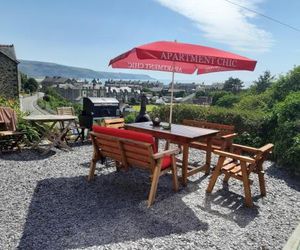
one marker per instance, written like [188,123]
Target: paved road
[28,104]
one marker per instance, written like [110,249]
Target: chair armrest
[246,148]
[93,133]
[229,136]
[267,148]
[235,156]
[166,152]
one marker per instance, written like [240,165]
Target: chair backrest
[258,154]
[8,119]
[223,129]
[65,111]
[129,152]
[126,134]
[114,123]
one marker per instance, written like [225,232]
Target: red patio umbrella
[183,58]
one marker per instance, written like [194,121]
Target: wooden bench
[133,149]
[114,123]
[221,141]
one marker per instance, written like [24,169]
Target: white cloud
[224,22]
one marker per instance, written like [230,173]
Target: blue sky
[89,33]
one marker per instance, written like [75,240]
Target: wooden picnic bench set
[137,146]
[56,129]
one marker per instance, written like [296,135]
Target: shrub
[180,112]
[200,93]
[53,100]
[216,95]
[228,100]
[254,102]
[286,84]
[247,124]
[31,134]
[286,115]
[130,118]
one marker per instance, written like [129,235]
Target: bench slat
[137,156]
[138,163]
[113,156]
[140,151]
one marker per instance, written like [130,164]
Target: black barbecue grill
[97,108]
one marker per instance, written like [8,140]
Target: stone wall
[9,79]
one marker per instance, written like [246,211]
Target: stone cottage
[9,75]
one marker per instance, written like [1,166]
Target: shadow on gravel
[72,213]
[236,211]
[79,144]
[26,155]
[282,174]
[108,163]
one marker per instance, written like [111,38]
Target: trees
[132,101]
[263,82]
[228,100]
[29,85]
[286,84]
[233,85]
[200,93]
[24,79]
[216,95]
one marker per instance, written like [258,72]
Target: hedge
[248,124]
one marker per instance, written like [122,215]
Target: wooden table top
[50,118]
[176,130]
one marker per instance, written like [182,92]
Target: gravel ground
[46,203]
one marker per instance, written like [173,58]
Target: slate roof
[156,89]
[56,80]
[9,51]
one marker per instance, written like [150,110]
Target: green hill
[41,69]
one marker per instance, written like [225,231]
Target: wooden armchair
[79,130]
[10,138]
[239,166]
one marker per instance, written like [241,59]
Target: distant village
[128,91]
[125,91]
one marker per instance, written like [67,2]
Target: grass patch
[149,108]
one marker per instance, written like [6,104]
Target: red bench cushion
[126,134]
[166,162]
[133,135]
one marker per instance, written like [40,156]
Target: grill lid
[103,100]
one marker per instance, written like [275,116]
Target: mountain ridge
[40,69]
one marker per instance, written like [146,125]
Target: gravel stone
[47,203]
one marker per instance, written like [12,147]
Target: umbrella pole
[171,107]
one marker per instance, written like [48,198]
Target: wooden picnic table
[183,135]
[55,137]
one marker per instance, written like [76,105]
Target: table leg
[44,133]
[59,140]
[50,135]
[185,162]
[208,154]
[157,142]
